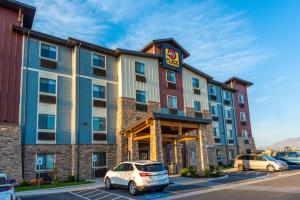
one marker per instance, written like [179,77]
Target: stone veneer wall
[225,152]
[127,115]
[10,151]
[242,146]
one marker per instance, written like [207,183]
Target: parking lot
[173,189]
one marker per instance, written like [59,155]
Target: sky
[253,39]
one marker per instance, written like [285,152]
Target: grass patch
[64,184]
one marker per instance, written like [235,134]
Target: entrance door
[144,154]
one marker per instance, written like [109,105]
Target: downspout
[78,111]
[24,106]
[224,124]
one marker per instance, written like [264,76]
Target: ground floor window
[101,159]
[231,154]
[47,161]
[219,155]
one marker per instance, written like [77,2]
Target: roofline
[222,85]
[197,71]
[239,80]
[185,52]
[28,11]
[120,51]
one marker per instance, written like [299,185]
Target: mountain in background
[290,142]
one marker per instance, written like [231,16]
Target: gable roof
[28,11]
[196,71]
[167,40]
[239,80]
[222,85]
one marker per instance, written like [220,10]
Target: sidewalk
[98,183]
[179,180]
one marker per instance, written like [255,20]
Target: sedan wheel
[132,188]
[241,167]
[108,184]
[271,168]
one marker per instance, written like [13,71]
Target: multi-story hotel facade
[74,99]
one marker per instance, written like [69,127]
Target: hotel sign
[171,57]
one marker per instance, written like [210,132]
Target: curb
[201,181]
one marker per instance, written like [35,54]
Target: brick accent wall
[10,151]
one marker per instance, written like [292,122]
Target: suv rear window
[150,167]
[3,181]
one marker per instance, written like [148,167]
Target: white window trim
[245,131]
[168,101]
[228,134]
[105,160]
[242,98]
[92,56]
[46,93]
[224,95]
[137,73]
[145,97]
[44,170]
[215,90]
[167,77]
[198,82]
[243,120]
[40,49]
[226,114]
[218,132]
[212,110]
[199,105]
[97,98]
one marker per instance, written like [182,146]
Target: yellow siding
[126,77]
[188,92]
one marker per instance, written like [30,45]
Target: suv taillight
[143,174]
[5,188]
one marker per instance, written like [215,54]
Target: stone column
[177,157]
[201,152]
[156,147]
[133,148]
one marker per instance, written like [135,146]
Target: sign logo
[172,57]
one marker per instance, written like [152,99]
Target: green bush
[184,172]
[191,172]
[71,178]
[56,181]
[218,171]
[207,172]
[23,183]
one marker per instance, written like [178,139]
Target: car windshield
[269,158]
[3,181]
[150,167]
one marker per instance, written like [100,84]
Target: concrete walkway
[179,180]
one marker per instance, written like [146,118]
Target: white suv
[6,189]
[138,176]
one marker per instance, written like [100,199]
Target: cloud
[276,82]
[261,100]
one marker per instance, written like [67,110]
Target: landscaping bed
[212,172]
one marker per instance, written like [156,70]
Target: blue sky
[253,39]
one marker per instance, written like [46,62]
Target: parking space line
[103,196]
[95,194]
[116,198]
[79,195]
[115,194]
[86,192]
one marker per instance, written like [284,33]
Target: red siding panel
[10,67]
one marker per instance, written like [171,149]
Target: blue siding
[112,97]
[30,128]
[85,110]
[221,124]
[64,109]
[64,58]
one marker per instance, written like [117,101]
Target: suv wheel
[241,167]
[271,168]
[108,184]
[132,188]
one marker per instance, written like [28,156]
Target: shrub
[23,183]
[53,173]
[184,172]
[35,181]
[56,181]
[207,172]
[71,178]
[218,171]
[191,172]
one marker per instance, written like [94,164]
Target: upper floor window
[241,98]
[140,96]
[172,102]
[46,121]
[47,161]
[228,114]
[226,95]
[229,133]
[48,51]
[212,90]
[47,85]
[214,110]
[195,82]
[98,60]
[216,132]
[197,106]
[243,116]
[99,124]
[244,134]
[99,91]
[140,68]
[171,76]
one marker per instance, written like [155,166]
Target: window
[48,51]
[48,161]
[214,110]
[172,102]
[99,91]
[140,96]
[216,132]
[197,106]
[170,76]
[226,95]
[243,116]
[241,98]
[46,121]
[98,60]
[229,133]
[99,124]
[245,134]
[219,155]
[101,159]
[195,82]
[47,85]
[228,114]
[139,68]
[212,90]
